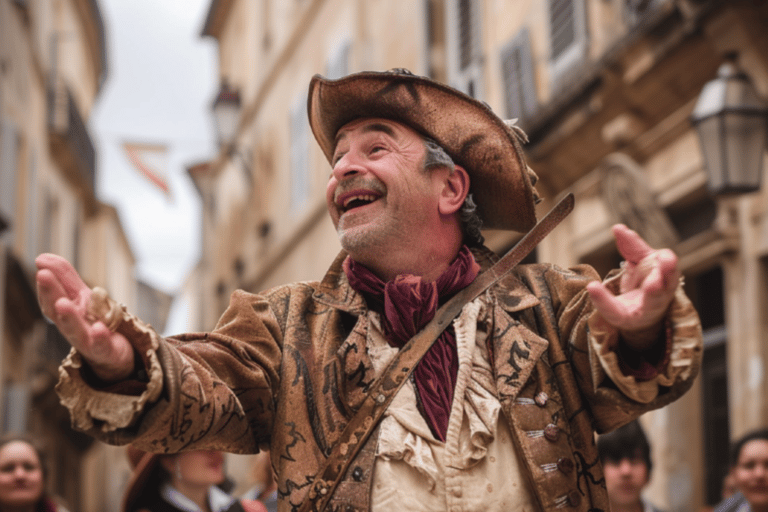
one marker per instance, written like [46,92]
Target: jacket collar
[334,290]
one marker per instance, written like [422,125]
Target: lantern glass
[226,115]
[732,123]
[733,144]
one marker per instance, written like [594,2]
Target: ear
[454,191]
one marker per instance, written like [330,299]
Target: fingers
[71,322]
[49,290]
[605,302]
[68,278]
[631,245]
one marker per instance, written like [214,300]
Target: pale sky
[161,80]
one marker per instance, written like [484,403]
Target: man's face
[625,480]
[750,474]
[378,196]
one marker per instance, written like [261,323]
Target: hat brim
[467,129]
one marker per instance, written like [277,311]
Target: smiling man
[499,412]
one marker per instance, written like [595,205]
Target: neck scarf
[407,304]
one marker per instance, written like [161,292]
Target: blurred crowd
[196,481]
[626,457]
[193,481]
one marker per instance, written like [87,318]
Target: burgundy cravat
[408,304]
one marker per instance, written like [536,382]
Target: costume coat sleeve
[206,390]
[587,345]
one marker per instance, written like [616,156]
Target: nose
[347,167]
[625,466]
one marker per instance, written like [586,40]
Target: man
[498,415]
[626,457]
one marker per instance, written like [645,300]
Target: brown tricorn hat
[476,138]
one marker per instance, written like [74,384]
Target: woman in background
[749,473]
[23,477]
[182,482]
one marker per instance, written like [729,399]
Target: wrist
[640,340]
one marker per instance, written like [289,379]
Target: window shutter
[563,30]
[16,405]
[33,206]
[9,152]
[568,39]
[518,78]
[465,61]
[299,155]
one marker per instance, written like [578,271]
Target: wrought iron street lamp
[226,114]
[732,122]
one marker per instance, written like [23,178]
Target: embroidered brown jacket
[289,367]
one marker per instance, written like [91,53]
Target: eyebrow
[373,127]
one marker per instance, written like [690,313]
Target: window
[16,406]
[433,12]
[338,62]
[517,77]
[568,38]
[635,11]
[706,293]
[465,54]
[300,179]
[693,214]
[33,207]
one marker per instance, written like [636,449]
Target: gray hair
[471,223]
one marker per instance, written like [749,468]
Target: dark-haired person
[626,457]
[181,482]
[22,477]
[749,473]
[500,412]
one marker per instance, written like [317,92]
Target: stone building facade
[604,88]
[53,64]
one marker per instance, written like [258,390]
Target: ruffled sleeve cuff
[640,378]
[118,405]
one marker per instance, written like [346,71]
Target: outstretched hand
[646,289]
[64,298]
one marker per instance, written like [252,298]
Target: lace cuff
[683,335]
[93,408]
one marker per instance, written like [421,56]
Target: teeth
[367,198]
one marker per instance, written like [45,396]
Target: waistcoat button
[552,432]
[565,465]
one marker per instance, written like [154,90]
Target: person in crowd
[749,473]
[182,482]
[23,477]
[626,457]
[501,411]
[264,486]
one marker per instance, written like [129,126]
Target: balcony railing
[70,142]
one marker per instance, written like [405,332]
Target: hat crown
[467,129]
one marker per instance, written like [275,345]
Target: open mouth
[353,200]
